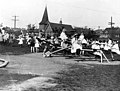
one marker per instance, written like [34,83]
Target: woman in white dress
[115,48]
[96,48]
[63,36]
[75,45]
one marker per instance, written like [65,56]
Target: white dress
[6,36]
[97,47]
[84,41]
[63,36]
[75,46]
[81,37]
[115,48]
[36,43]
[20,41]
[107,47]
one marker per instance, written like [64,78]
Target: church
[53,29]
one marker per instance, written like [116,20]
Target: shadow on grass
[79,78]
[7,78]
[13,49]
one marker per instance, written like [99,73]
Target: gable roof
[61,26]
[45,18]
[113,30]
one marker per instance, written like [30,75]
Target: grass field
[94,78]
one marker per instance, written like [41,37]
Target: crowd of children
[80,43]
[77,43]
[5,37]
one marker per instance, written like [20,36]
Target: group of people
[32,41]
[5,37]
[79,44]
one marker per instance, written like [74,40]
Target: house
[53,29]
[113,33]
[88,32]
[99,31]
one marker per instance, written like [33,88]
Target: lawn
[15,49]
[80,78]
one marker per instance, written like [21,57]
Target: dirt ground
[30,67]
[33,71]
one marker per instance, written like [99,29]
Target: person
[3,31]
[63,36]
[106,46]
[102,45]
[28,40]
[1,38]
[56,40]
[47,47]
[10,38]
[81,37]
[110,42]
[96,48]
[32,44]
[76,46]
[6,37]
[36,44]
[20,39]
[115,48]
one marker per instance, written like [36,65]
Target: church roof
[55,26]
[61,26]
[45,17]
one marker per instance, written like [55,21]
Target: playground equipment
[101,53]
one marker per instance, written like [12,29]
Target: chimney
[60,21]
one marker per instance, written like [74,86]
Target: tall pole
[111,23]
[15,20]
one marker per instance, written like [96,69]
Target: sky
[80,13]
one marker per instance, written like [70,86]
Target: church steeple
[45,17]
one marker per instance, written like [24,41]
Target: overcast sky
[91,13]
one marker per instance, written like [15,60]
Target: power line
[15,20]
[79,7]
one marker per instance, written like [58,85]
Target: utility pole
[15,20]
[111,23]
[111,35]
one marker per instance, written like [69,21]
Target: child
[36,44]
[32,44]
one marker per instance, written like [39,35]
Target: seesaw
[101,54]
[48,53]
